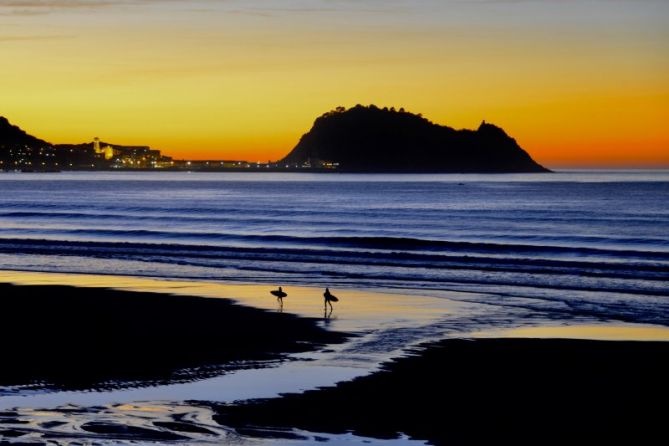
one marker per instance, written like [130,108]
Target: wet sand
[488,391]
[358,310]
[381,325]
[453,392]
[155,357]
[81,338]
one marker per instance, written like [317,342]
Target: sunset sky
[576,82]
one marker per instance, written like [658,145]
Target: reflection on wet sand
[613,332]
[385,325]
[362,310]
[132,424]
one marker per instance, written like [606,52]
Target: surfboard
[278,293]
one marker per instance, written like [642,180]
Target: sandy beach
[225,363]
[489,391]
[87,338]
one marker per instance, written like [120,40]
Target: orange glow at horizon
[581,84]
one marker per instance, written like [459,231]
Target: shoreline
[361,310]
[486,391]
[453,392]
[287,170]
[372,372]
[88,337]
[358,319]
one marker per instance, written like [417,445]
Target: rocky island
[373,139]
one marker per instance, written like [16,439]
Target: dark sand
[83,337]
[490,391]
[455,392]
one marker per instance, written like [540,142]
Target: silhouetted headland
[12,136]
[372,139]
[22,151]
[360,139]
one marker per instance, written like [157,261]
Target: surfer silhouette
[280,294]
[329,298]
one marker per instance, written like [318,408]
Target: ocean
[572,243]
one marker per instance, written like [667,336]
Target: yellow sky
[584,82]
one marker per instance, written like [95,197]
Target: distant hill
[372,139]
[13,136]
[360,139]
[24,152]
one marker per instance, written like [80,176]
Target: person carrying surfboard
[280,294]
[329,298]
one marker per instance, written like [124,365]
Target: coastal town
[97,155]
[22,152]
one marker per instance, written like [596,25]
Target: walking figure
[280,294]
[329,298]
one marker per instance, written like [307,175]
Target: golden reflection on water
[617,332]
[356,309]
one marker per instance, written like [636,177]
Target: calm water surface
[579,242]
